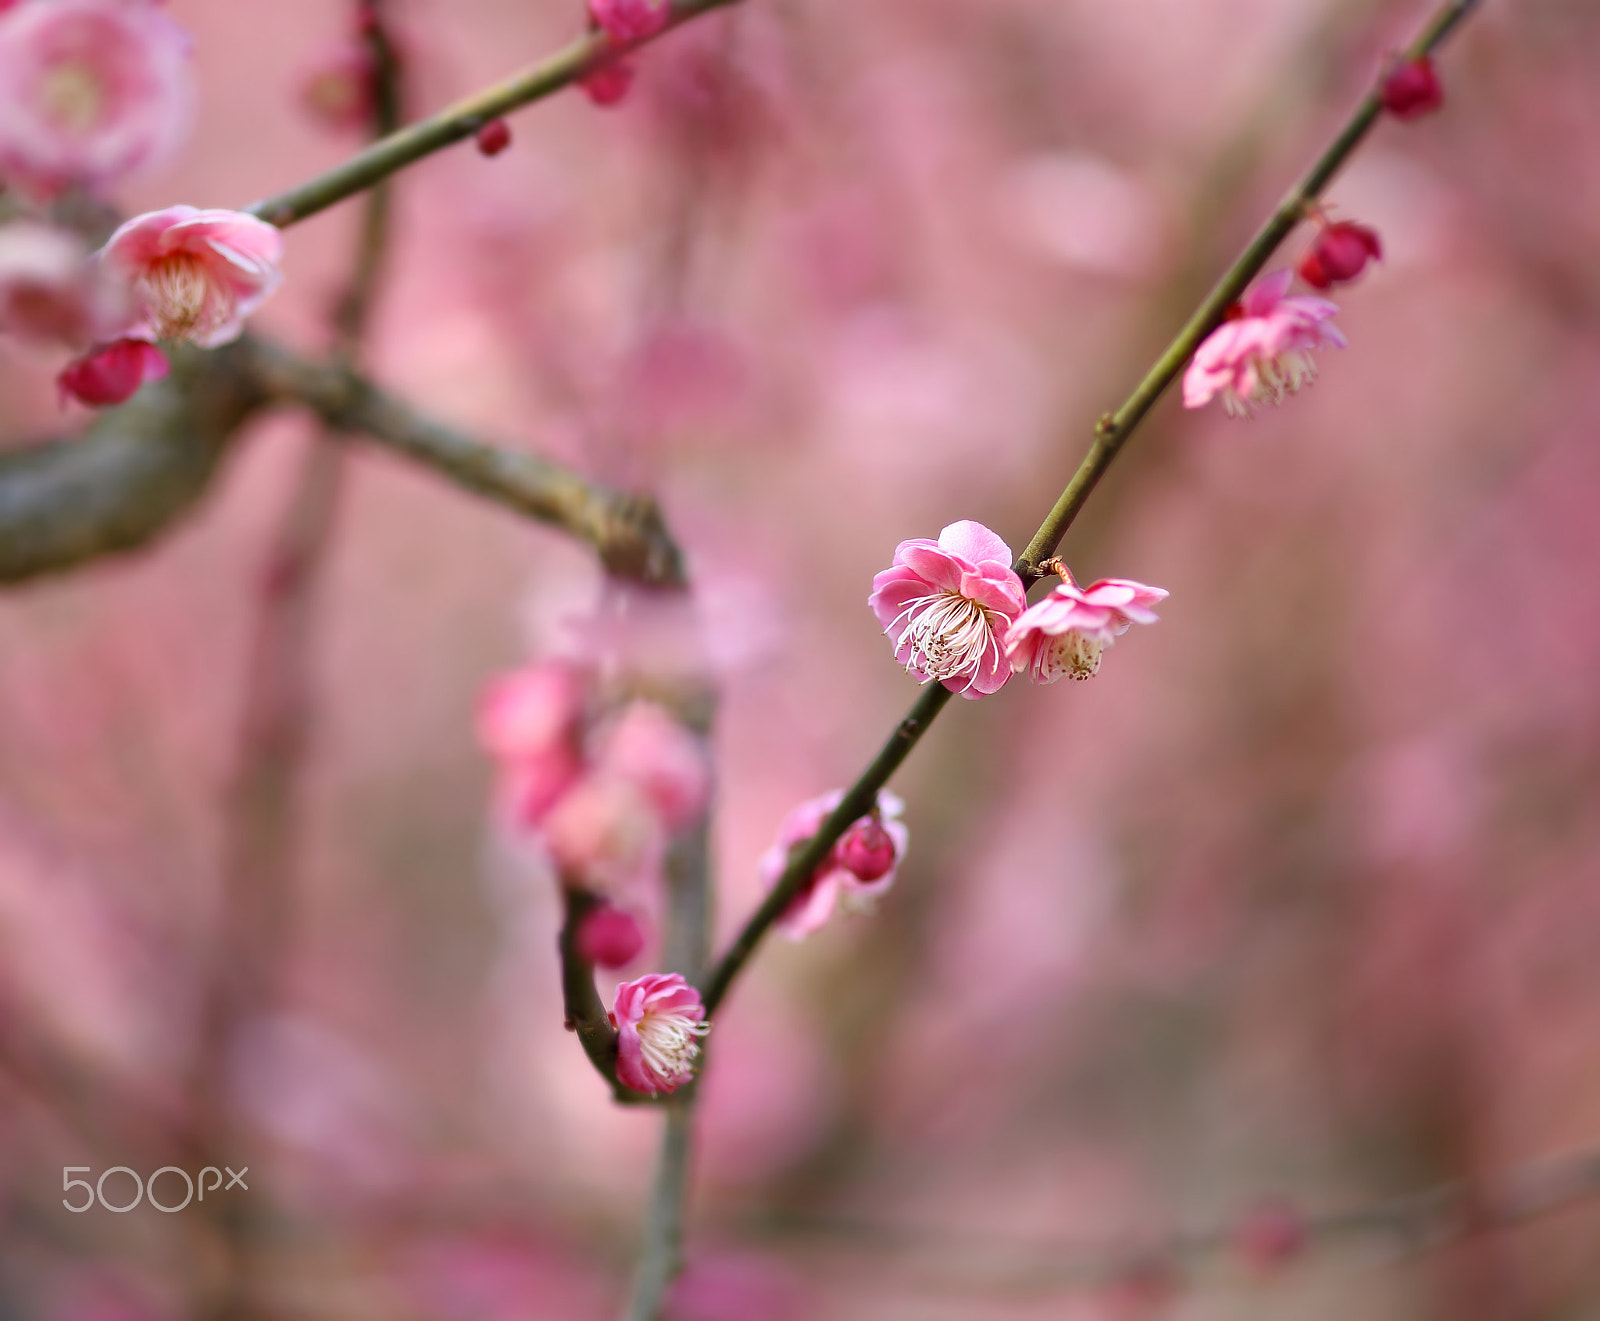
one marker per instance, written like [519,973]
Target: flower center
[949,635]
[1075,655]
[669,1043]
[178,291]
[72,97]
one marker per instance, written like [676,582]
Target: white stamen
[949,635]
[668,1043]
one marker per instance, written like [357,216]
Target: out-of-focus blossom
[1263,352]
[89,91]
[112,373]
[1411,88]
[196,274]
[337,87]
[734,1288]
[528,722]
[1341,252]
[51,292]
[659,1021]
[833,882]
[1271,1236]
[1065,632]
[493,138]
[630,20]
[610,937]
[653,751]
[946,604]
[607,84]
[603,831]
[528,712]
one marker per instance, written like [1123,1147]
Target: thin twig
[457,122]
[1111,433]
[660,1257]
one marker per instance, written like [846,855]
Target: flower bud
[112,373]
[494,137]
[338,87]
[866,850]
[610,937]
[1411,88]
[609,83]
[1341,252]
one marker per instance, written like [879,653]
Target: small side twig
[457,122]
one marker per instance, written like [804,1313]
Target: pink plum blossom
[1065,632]
[655,752]
[527,712]
[50,292]
[1263,353]
[604,832]
[111,373]
[195,274]
[528,722]
[833,882]
[90,90]
[338,84]
[945,605]
[659,1021]
[630,20]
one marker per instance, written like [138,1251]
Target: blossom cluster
[854,874]
[602,792]
[957,614]
[92,91]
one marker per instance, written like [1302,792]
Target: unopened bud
[610,937]
[1411,89]
[867,851]
[111,374]
[1340,253]
[494,137]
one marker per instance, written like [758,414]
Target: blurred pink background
[1297,898]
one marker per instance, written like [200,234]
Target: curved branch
[134,472]
[626,531]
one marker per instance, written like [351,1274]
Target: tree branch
[626,531]
[1111,434]
[131,474]
[457,122]
[1416,1223]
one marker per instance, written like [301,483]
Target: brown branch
[1405,1226]
[626,531]
[131,474]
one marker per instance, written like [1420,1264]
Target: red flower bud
[1340,253]
[609,83]
[867,851]
[494,137]
[111,373]
[1411,89]
[610,937]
